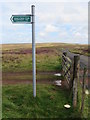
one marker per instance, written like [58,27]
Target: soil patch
[6,81]
[14,82]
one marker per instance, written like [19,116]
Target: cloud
[45,17]
[75,13]
[75,34]
[63,34]
[63,0]
[51,28]
[55,22]
[78,34]
[45,1]
[48,29]
[42,34]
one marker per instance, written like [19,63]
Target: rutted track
[13,78]
[14,81]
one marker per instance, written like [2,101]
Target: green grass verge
[80,51]
[86,110]
[20,63]
[47,58]
[18,102]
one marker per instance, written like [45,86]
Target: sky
[62,22]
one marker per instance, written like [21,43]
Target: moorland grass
[18,102]
[20,62]
[50,61]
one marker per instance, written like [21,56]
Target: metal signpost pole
[26,19]
[33,51]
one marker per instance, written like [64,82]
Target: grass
[86,110]
[23,62]
[82,51]
[48,57]
[86,113]
[18,102]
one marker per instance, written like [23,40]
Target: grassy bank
[18,57]
[86,108]
[18,102]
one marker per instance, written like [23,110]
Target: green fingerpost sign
[21,19]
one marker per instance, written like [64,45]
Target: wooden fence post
[83,89]
[71,81]
[75,78]
[65,53]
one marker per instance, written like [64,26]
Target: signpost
[21,19]
[29,19]
[33,50]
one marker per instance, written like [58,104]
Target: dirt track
[23,77]
[14,82]
[7,81]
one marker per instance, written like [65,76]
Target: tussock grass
[18,102]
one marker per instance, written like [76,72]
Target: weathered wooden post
[71,76]
[65,53]
[83,89]
[64,60]
[75,78]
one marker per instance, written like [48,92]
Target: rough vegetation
[18,101]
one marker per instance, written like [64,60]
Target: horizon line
[46,43]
